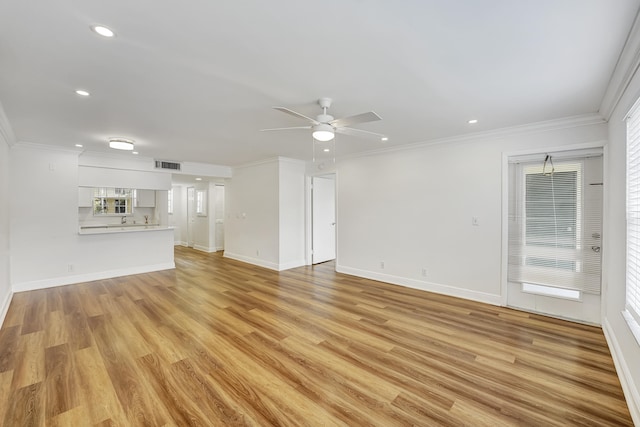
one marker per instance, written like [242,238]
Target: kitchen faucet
[123,220]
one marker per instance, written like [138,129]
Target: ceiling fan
[324,126]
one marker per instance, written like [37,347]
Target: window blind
[553,224]
[633,214]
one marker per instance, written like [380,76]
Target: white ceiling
[196,80]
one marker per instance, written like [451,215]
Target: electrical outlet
[424,272]
[258,252]
[474,221]
[382,265]
[70,268]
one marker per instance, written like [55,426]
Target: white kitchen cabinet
[145,198]
[85,197]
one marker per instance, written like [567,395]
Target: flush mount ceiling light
[79,145]
[384,138]
[473,121]
[121,143]
[323,132]
[103,31]
[82,92]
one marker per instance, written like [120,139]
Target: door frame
[309,214]
[505,210]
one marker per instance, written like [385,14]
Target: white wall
[412,209]
[292,213]
[264,207]
[5,282]
[251,202]
[46,249]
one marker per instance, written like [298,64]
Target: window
[549,230]
[201,203]
[632,313]
[170,202]
[113,201]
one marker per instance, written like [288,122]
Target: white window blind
[549,227]
[633,214]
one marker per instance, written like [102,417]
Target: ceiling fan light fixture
[121,144]
[323,132]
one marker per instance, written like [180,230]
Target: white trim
[538,127]
[207,249]
[422,285]
[45,147]
[292,264]
[81,278]
[4,307]
[633,324]
[624,71]
[271,160]
[250,260]
[179,243]
[629,388]
[505,203]
[265,264]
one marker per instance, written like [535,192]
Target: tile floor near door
[218,342]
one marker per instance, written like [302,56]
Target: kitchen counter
[121,228]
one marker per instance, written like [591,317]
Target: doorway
[323,218]
[554,234]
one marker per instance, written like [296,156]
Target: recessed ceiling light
[103,31]
[135,152]
[198,179]
[121,143]
[384,138]
[473,121]
[79,145]
[82,92]
[326,150]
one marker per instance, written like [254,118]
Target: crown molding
[624,71]
[45,147]
[545,126]
[6,131]
[277,160]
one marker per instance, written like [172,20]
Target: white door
[323,219]
[191,214]
[557,270]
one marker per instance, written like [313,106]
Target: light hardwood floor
[218,343]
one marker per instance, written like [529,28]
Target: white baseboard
[204,248]
[250,260]
[179,243]
[90,277]
[423,285]
[4,307]
[630,389]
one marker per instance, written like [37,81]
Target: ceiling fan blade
[358,118]
[360,133]
[289,128]
[296,114]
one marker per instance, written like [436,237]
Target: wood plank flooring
[221,343]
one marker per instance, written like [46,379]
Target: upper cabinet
[145,199]
[115,201]
[85,197]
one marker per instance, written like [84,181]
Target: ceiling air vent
[161,164]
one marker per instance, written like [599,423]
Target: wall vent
[162,164]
